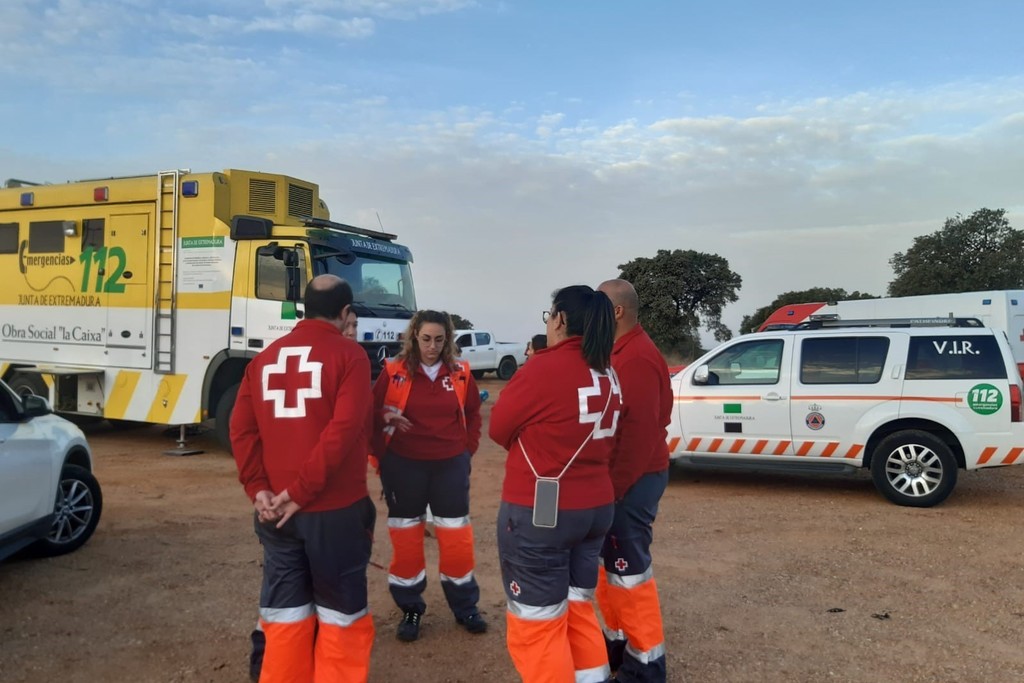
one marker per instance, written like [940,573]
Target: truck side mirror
[700,375]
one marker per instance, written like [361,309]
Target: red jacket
[552,403]
[303,417]
[437,423]
[640,443]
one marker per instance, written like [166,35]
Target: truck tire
[26,383]
[914,468]
[507,367]
[478,374]
[222,416]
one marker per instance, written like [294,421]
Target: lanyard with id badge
[545,491]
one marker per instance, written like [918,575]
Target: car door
[841,386]
[27,484]
[486,351]
[741,409]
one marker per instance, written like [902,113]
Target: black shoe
[409,626]
[259,646]
[474,623]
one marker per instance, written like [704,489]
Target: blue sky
[517,147]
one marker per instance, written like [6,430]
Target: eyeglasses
[546,315]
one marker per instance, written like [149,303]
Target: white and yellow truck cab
[144,298]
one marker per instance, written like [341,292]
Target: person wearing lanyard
[557,417]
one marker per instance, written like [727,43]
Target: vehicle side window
[271,277]
[483,338]
[464,340]
[842,360]
[755,362]
[953,357]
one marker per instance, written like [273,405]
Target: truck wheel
[478,374]
[914,468]
[507,367]
[222,416]
[76,512]
[28,383]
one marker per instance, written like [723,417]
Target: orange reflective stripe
[737,445]
[715,444]
[289,653]
[585,639]
[692,445]
[343,652]
[854,451]
[407,559]
[986,454]
[673,442]
[1012,456]
[639,613]
[805,448]
[455,547]
[540,648]
[781,448]
[759,446]
[830,448]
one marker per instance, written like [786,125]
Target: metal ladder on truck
[165,306]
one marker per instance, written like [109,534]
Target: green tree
[459,322]
[680,292]
[806,296]
[975,253]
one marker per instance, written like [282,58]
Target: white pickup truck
[486,355]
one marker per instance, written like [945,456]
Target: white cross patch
[585,393]
[289,396]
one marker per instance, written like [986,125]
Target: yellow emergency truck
[144,298]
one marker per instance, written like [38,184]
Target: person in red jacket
[627,593]
[427,428]
[557,417]
[300,434]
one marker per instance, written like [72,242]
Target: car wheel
[222,416]
[28,383]
[77,512]
[478,374]
[914,468]
[507,367]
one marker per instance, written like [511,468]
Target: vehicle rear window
[955,357]
[842,360]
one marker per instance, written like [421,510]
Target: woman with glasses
[557,417]
[427,427]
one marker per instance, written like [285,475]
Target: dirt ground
[762,578]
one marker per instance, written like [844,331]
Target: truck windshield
[382,287]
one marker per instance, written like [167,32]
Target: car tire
[25,383]
[914,468]
[507,367]
[478,374]
[222,416]
[78,505]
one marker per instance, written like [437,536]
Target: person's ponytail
[599,332]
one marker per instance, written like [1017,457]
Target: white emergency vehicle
[909,400]
[144,298]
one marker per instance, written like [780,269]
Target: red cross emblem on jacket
[292,380]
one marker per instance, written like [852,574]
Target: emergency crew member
[300,432]
[627,593]
[427,427]
[259,641]
[557,417]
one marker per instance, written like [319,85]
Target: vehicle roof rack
[341,227]
[831,321]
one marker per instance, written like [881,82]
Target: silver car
[49,498]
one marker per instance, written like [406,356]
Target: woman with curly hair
[427,427]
